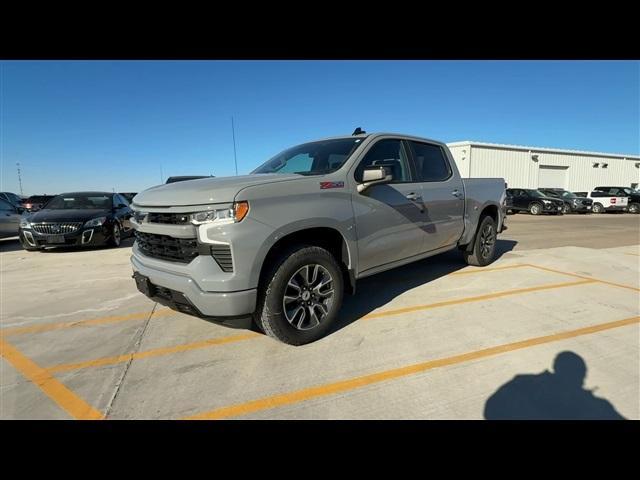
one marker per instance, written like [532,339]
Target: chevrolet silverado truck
[277,249]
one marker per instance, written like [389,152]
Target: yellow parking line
[488,296]
[99,362]
[358,382]
[54,389]
[582,276]
[156,352]
[84,323]
[468,271]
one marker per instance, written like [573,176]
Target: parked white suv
[605,202]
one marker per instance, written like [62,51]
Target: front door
[389,218]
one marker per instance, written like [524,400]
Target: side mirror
[374,176]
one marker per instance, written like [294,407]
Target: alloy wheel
[308,297]
[487,241]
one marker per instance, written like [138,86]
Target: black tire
[634,208]
[271,317]
[597,208]
[116,236]
[566,209]
[535,209]
[480,256]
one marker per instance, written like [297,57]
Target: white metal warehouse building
[533,167]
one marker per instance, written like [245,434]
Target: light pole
[19,177]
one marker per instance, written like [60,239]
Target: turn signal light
[240,210]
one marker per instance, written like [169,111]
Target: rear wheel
[301,296]
[484,246]
[566,209]
[634,208]
[598,208]
[535,209]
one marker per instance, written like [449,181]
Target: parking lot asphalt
[551,329]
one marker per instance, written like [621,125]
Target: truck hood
[205,190]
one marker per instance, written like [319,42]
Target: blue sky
[102,125]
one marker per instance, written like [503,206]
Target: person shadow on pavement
[557,395]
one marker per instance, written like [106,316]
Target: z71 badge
[325,185]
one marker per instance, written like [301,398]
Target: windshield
[80,202]
[314,158]
[536,193]
[566,194]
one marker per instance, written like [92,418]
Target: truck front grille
[222,255]
[56,228]
[164,247]
[171,218]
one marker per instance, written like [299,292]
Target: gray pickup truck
[278,248]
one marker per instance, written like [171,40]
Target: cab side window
[6,206]
[431,164]
[390,154]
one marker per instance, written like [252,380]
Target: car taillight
[27,205]
[613,200]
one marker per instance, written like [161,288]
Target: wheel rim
[116,234]
[633,209]
[487,241]
[308,297]
[535,209]
[565,209]
[596,208]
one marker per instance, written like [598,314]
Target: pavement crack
[136,347]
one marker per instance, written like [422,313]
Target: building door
[551,176]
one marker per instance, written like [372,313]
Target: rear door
[389,218]
[442,194]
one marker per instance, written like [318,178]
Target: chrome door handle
[456,193]
[413,197]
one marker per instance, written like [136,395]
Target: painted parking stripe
[547,269]
[99,362]
[358,382]
[85,323]
[53,388]
[156,352]
[478,298]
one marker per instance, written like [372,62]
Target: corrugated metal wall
[520,170]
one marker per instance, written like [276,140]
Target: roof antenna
[358,131]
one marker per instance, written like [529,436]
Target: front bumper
[553,208]
[83,237]
[232,308]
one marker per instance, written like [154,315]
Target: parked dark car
[632,194]
[9,219]
[572,203]
[532,201]
[36,202]
[78,219]
[129,196]
[186,177]
[12,198]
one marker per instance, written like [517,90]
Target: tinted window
[431,164]
[389,154]
[6,206]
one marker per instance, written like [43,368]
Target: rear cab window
[430,162]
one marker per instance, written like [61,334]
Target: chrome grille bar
[56,228]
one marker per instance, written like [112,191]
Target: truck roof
[380,134]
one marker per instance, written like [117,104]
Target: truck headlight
[95,222]
[24,223]
[222,216]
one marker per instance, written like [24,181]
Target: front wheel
[116,236]
[634,208]
[597,208]
[301,296]
[566,209]
[535,209]
[484,245]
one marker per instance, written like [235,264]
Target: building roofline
[542,149]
